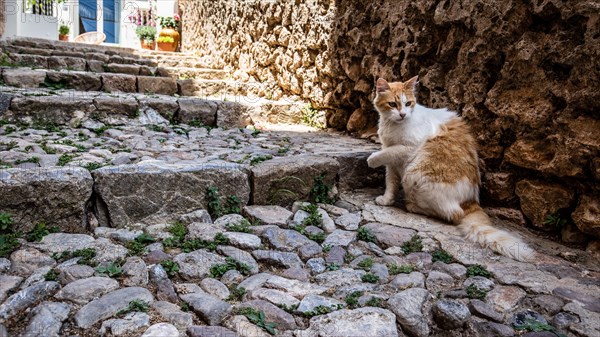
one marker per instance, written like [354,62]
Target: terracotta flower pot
[147,44]
[166,46]
[171,33]
[63,37]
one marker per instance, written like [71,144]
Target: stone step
[145,82]
[61,106]
[193,73]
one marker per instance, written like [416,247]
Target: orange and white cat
[432,155]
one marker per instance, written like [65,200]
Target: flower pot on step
[63,37]
[172,33]
[148,44]
[166,46]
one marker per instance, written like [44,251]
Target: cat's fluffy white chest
[422,124]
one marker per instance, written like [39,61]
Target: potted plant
[166,43]
[63,32]
[147,36]
[170,26]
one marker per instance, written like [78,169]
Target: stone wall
[524,73]
[2,17]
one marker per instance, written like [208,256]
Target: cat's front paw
[382,200]
[374,160]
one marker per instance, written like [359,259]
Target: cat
[432,155]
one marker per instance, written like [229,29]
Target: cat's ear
[412,83]
[382,85]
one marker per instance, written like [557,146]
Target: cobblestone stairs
[136,200]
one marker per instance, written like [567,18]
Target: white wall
[28,25]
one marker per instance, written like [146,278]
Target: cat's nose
[402,115]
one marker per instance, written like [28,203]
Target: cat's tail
[477,227]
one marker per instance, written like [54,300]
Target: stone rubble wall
[2,17]
[524,74]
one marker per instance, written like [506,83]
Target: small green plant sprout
[366,264]
[171,267]
[322,310]
[316,237]
[326,248]
[374,302]
[64,159]
[5,221]
[365,234]
[195,244]
[478,270]
[39,231]
[332,267]
[242,227]
[112,269]
[319,193]
[314,218]
[370,278]
[178,232]
[556,221]
[135,305]
[352,299]
[259,319]
[236,293]
[394,269]
[51,275]
[441,255]
[476,293]
[413,245]
[259,159]
[8,237]
[232,204]
[218,270]
[537,326]
[138,245]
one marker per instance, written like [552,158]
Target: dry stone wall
[524,73]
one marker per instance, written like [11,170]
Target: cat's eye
[408,104]
[393,104]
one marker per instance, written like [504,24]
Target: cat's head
[396,100]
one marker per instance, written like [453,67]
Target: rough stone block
[23,78]
[283,180]
[191,109]
[355,173]
[119,82]
[158,192]
[69,63]
[115,110]
[52,109]
[540,200]
[131,69]
[157,85]
[232,115]
[77,80]
[56,196]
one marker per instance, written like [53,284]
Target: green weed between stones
[138,245]
[555,220]
[217,270]
[314,218]
[216,208]
[113,269]
[319,193]
[135,305]
[243,227]
[474,292]
[366,264]
[394,269]
[291,309]
[86,256]
[413,245]
[332,267]
[195,244]
[478,270]
[370,278]
[535,326]
[8,237]
[258,318]
[236,293]
[374,302]
[366,235]
[352,299]
[51,275]
[171,267]
[322,310]
[39,231]
[441,255]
